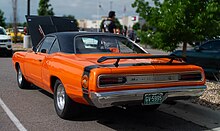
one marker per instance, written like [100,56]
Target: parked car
[104,70]
[206,55]
[5,43]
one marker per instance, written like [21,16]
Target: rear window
[92,44]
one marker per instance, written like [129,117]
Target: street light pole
[28,7]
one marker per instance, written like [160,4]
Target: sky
[81,9]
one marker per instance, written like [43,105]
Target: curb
[195,113]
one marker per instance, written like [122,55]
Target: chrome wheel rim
[60,97]
[19,76]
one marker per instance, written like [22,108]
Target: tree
[136,26]
[45,8]
[71,17]
[2,19]
[172,22]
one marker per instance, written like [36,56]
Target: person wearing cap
[109,23]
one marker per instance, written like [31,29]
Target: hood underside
[39,26]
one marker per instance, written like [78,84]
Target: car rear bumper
[108,99]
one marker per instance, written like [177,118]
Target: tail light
[111,80]
[190,77]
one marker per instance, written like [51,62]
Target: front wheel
[65,107]
[9,53]
[22,82]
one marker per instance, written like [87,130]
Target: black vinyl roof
[66,39]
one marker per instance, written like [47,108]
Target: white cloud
[81,9]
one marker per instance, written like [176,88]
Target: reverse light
[85,81]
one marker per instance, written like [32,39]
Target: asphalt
[195,113]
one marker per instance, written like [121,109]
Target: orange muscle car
[104,70]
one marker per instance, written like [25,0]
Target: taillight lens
[108,80]
[191,77]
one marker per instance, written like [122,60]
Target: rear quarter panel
[70,72]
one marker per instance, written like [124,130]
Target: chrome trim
[107,99]
[149,83]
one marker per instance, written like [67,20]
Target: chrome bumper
[108,99]
[6,46]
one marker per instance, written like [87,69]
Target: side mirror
[197,48]
[43,51]
[34,49]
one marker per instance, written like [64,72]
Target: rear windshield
[92,44]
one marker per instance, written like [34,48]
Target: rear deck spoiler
[171,57]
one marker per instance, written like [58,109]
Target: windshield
[92,44]
[2,31]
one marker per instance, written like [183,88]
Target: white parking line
[13,118]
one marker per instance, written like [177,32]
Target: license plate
[153,99]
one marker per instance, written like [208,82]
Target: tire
[9,53]
[22,82]
[65,107]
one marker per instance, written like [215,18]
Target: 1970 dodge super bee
[104,70]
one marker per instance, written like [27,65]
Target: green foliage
[172,22]
[71,17]
[136,26]
[45,8]
[2,19]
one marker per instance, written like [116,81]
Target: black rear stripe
[87,70]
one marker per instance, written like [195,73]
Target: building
[128,21]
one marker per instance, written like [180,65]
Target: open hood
[39,26]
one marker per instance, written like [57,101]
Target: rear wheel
[65,107]
[22,82]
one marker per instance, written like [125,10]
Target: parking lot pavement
[5,122]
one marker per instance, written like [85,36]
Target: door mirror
[43,51]
[34,49]
[197,48]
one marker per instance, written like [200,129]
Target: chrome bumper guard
[107,99]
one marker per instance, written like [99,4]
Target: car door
[45,68]
[204,56]
[36,60]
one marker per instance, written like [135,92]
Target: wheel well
[16,66]
[52,82]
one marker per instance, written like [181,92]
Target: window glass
[2,31]
[216,45]
[90,42]
[104,44]
[207,46]
[46,44]
[55,47]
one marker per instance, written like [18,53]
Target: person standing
[109,24]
